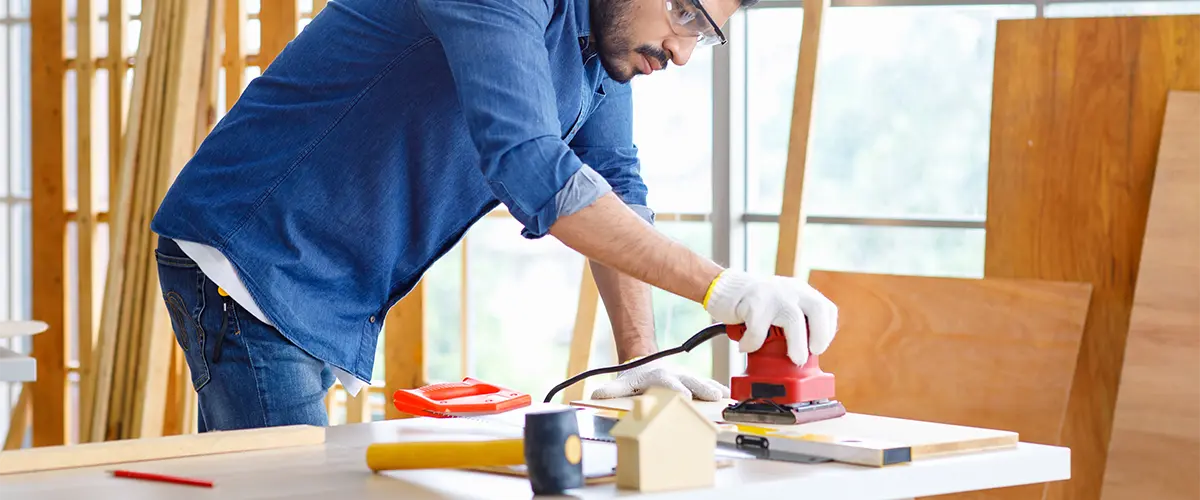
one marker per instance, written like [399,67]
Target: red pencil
[163,478]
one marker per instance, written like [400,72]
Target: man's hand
[637,380]
[609,232]
[762,301]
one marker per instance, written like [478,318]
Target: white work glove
[637,380]
[736,297]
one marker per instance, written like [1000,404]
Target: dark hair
[748,3]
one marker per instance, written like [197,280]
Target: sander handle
[735,333]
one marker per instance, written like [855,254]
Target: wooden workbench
[337,470]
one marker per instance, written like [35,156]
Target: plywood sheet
[1077,110]
[927,439]
[137,450]
[1155,449]
[994,353]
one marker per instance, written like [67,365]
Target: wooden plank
[187,58]
[279,20]
[935,348]
[99,407]
[117,105]
[18,422]
[137,450]
[206,114]
[1076,116]
[358,408]
[928,439]
[404,348]
[943,349]
[178,387]
[121,418]
[464,306]
[1155,447]
[235,51]
[85,75]
[791,216]
[581,338]
[48,22]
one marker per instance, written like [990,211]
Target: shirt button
[372,319]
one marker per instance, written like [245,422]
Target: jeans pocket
[182,285]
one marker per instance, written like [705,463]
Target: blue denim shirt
[380,134]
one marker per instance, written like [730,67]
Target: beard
[611,21]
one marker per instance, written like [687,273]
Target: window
[673,132]
[919,251]
[900,131]
[901,115]
[15,280]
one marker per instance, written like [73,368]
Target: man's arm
[605,143]
[609,232]
[630,311]
[497,57]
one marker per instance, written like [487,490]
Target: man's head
[640,36]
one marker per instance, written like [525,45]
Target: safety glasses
[688,18]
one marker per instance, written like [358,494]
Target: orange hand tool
[456,399]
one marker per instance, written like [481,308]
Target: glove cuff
[725,292]
[708,293]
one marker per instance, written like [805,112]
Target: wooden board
[927,439]
[992,353]
[1155,448]
[137,450]
[1077,110]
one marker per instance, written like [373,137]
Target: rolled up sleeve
[497,57]
[605,143]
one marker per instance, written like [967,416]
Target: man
[378,137]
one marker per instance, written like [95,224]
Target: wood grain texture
[1155,448]
[994,353]
[580,354]
[791,214]
[158,448]
[48,133]
[1076,116]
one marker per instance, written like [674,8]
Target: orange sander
[776,391]
[772,391]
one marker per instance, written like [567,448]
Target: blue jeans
[245,373]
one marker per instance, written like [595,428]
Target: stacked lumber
[1077,112]
[135,368]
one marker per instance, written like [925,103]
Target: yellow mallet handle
[445,454]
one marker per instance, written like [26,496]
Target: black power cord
[699,338]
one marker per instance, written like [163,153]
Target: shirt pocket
[589,100]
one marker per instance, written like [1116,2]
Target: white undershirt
[221,271]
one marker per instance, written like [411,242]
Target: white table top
[337,470]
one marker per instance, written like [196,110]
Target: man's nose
[681,49]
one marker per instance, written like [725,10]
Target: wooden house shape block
[665,443]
